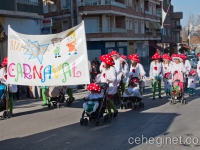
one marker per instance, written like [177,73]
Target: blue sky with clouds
[187,6]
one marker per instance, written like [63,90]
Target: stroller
[129,101]
[177,90]
[3,102]
[98,116]
[56,95]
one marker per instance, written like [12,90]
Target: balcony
[149,32]
[101,3]
[177,28]
[177,15]
[106,30]
[176,39]
[28,2]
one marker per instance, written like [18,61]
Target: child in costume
[3,79]
[155,73]
[125,71]
[93,96]
[109,75]
[133,89]
[198,67]
[187,68]
[116,58]
[44,88]
[178,66]
[167,73]
[192,78]
[137,70]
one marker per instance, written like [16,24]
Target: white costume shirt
[187,66]
[178,67]
[118,69]
[155,69]
[133,92]
[192,82]
[198,68]
[125,72]
[2,74]
[166,68]
[110,75]
[139,70]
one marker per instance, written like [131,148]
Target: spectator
[93,72]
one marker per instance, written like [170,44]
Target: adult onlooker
[97,63]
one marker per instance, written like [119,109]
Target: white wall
[25,26]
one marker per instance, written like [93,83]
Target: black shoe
[160,97]
[59,56]
[55,56]
[115,114]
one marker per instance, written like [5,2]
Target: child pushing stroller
[132,95]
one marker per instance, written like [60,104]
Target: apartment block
[24,16]
[172,28]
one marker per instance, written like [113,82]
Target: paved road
[38,128]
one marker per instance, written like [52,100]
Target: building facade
[171,28]
[24,16]
[128,26]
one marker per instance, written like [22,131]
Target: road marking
[45,138]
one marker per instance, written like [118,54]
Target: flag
[164,14]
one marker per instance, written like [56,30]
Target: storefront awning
[156,47]
[147,24]
[185,46]
[151,25]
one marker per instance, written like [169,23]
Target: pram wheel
[142,105]
[183,102]
[55,104]
[101,121]
[81,121]
[8,114]
[172,101]
[4,114]
[109,118]
[49,105]
[121,106]
[86,121]
[97,122]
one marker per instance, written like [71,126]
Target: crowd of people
[115,70]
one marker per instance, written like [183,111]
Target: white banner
[55,59]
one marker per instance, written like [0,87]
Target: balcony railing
[28,2]
[101,2]
[106,30]
[147,12]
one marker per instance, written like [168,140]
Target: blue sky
[187,6]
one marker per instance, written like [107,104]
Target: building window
[130,25]
[154,10]
[136,27]
[129,3]
[64,4]
[65,25]
[127,24]
[150,9]
[53,7]
[142,27]
[141,6]
[136,5]
[45,8]
[92,25]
